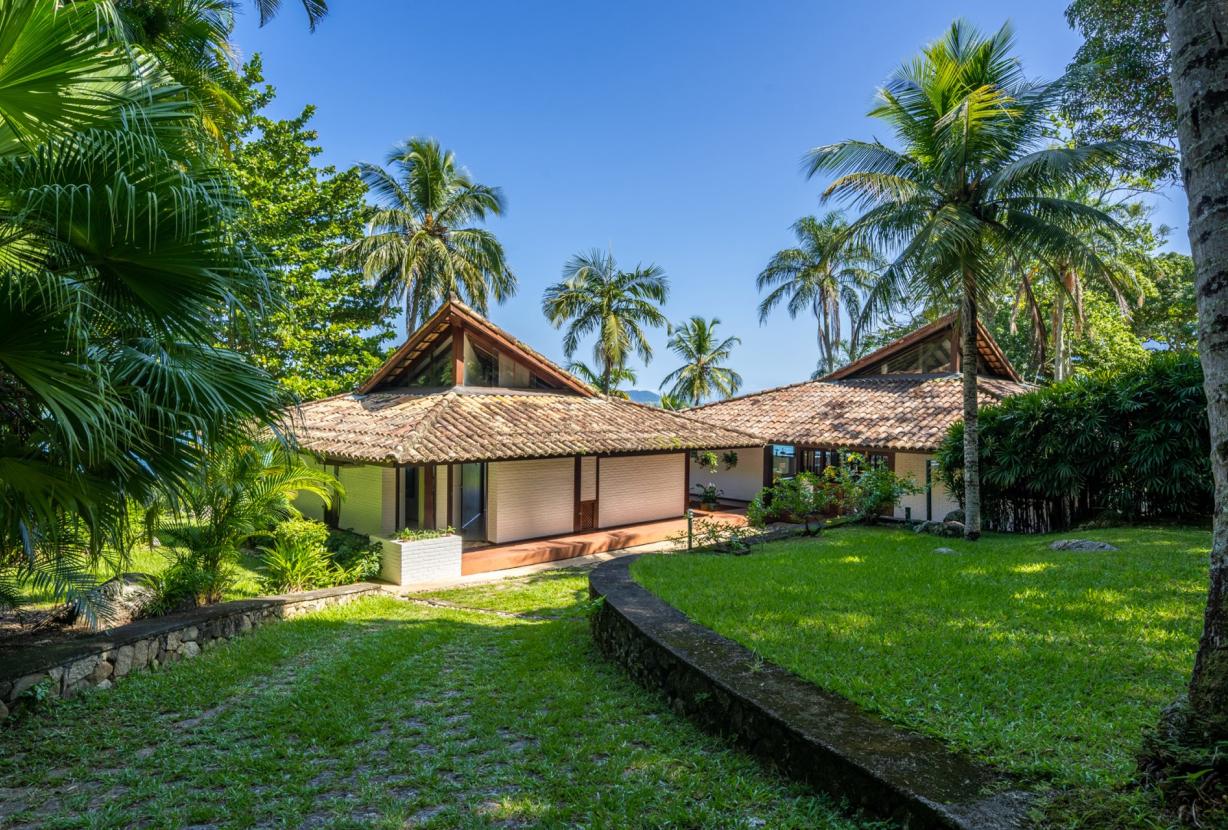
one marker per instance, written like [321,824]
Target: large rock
[955,516]
[123,660]
[126,595]
[1080,544]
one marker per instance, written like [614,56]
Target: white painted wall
[528,499]
[943,501]
[743,482]
[641,488]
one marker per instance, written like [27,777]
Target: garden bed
[1049,664]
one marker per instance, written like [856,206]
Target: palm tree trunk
[1059,335]
[972,458]
[1197,32]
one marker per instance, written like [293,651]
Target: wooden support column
[428,497]
[767,466]
[686,482]
[458,361]
[397,474]
[575,501]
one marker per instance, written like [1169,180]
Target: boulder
[1080,544]
[955,516]
[123,660]
[80,670]
[189,649]
[126,596]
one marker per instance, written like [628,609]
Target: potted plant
[708,494]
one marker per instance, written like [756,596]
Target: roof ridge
[428,420]
[680,414]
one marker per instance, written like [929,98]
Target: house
[467,427]
[895,405]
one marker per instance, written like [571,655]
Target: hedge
[1132,444]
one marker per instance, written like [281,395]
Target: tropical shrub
[854,488]
[184,584]
[297,563]
[416,534]
[357,554]
[243,490]
[1130,444]
[117,253]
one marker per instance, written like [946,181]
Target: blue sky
[669,131]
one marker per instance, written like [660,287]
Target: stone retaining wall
[809,734]
[100,660]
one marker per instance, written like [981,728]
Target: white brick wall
[527,499]
[362,509]
[425,560]
[743,482]
[641,488]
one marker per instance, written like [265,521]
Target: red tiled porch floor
[533,551]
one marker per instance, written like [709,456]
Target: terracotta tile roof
[893,412]
[469,424]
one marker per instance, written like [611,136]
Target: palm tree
[702,375]
[972,184]
[116,254]
[420,248]
[671,403]
[593,378]
[822,276]
[594,296]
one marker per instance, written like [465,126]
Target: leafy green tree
[824,276]
[326,337]
[972,184]
[116,253]
[596,297]
[703,375]
[421,248]
[1169,315]
[1118,81]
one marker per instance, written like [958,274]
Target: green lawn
[1049,664]
[153,561]
[391,714]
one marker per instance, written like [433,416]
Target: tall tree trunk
[1198,36]
[967,364]
[1059,334]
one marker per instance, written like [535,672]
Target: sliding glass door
[473,501]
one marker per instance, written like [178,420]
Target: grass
[148,560]
[1049,664]
[389,714]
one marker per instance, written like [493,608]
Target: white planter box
[423,560]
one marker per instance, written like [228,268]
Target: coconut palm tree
[116,255]
[972,182]
[702,375]
[594,296]
[823,276]
[421,246]
[618,377]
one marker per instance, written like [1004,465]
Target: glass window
[784,461]
[481,366]
[435,371]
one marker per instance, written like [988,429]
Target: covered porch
[482,557]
